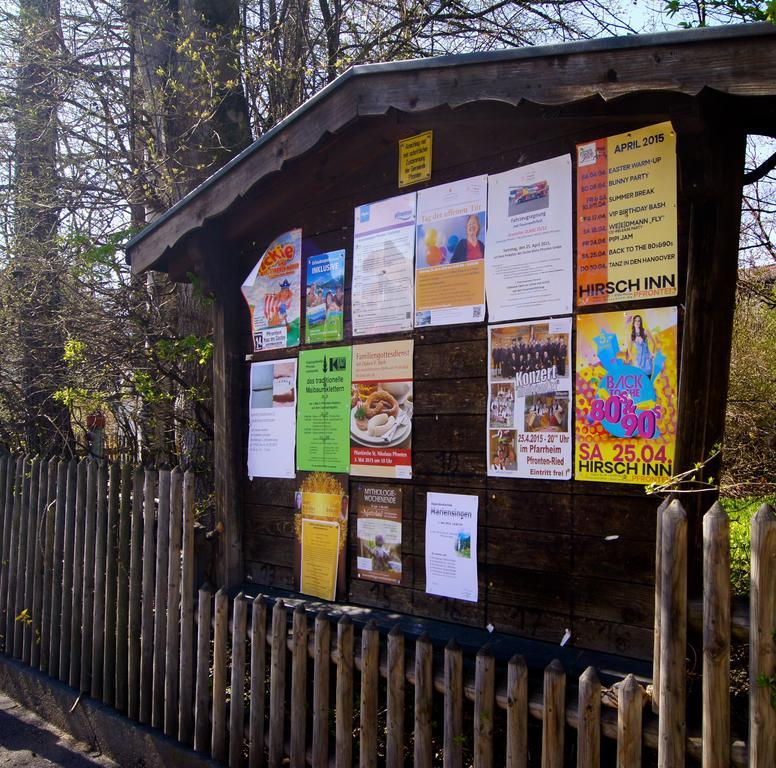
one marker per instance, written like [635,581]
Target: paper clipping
[381,408]
[272,290]
[378,528]
[450,253]
[528,267]
[529,400]
[451,546]
[626,396]
[384,266]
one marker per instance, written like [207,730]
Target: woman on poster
[641,347]
[472,248]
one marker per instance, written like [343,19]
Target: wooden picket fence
[97,589]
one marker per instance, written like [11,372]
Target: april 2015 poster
[627,228]
[384,266]
[528,268]
[272,290]
[321,532]
[450,253]
[325,297]
[451,546]
[272,426]
[626,396]
[323,415]
[529,400]
[378,529]
[381,409]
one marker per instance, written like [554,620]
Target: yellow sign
[320,558]
[415,159]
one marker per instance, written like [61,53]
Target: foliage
[701,13]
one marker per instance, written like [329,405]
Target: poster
[529,400]
[325,297]
[272,425]
[450,253]
[323,416]
[381,407]
[384,266]
[528,269]
[626,202]
[626,395]
[415,158]
[378,529]
[272,290]
[321,531]
[451,546]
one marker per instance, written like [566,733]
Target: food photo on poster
[272,291]
[626,395]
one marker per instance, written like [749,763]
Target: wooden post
[762,647]
[188,564]
[673,638]
[160,599]
[298,687]
[202,695]
[10,615]
[8,488]
[134,608]
[629,724]
[237,698]
[484,708]
[658,603]
[111,588]
[452,756]
[76,611]
[589,723]
[20,561]
[424,700]
[716,638]
[220,639]
[87,616]
[172,658]
[122,588]
[147,605]
[344,694]
[38,555]
[277,683]
[517,713]
[370,675]
[258,674]
[554,724]
[394,748]
[321,668]
[54,490]
[31,512]
[99,580]
[62,577]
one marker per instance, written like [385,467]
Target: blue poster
[325,297]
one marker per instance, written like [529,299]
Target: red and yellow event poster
[381,408]
[626,396]
[626,226]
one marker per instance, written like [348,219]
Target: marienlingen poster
[450,253]
[626,209]
[323,416]
[626,396]
[529,400]
[384,266]
[272,290]
[272,426]
[528,266]
[381,410]
[451,545]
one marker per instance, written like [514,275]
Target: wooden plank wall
[545,563]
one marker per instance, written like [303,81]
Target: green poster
[323,415]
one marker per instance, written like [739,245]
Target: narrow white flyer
[451,546]
[529,261]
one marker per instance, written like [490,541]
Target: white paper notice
[529,264]
[383,266]
[451,546]
[529,400]
[272,428]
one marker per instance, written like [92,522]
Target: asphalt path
[27,740]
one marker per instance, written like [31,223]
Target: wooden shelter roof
[738,60]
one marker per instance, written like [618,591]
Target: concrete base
[102,727]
